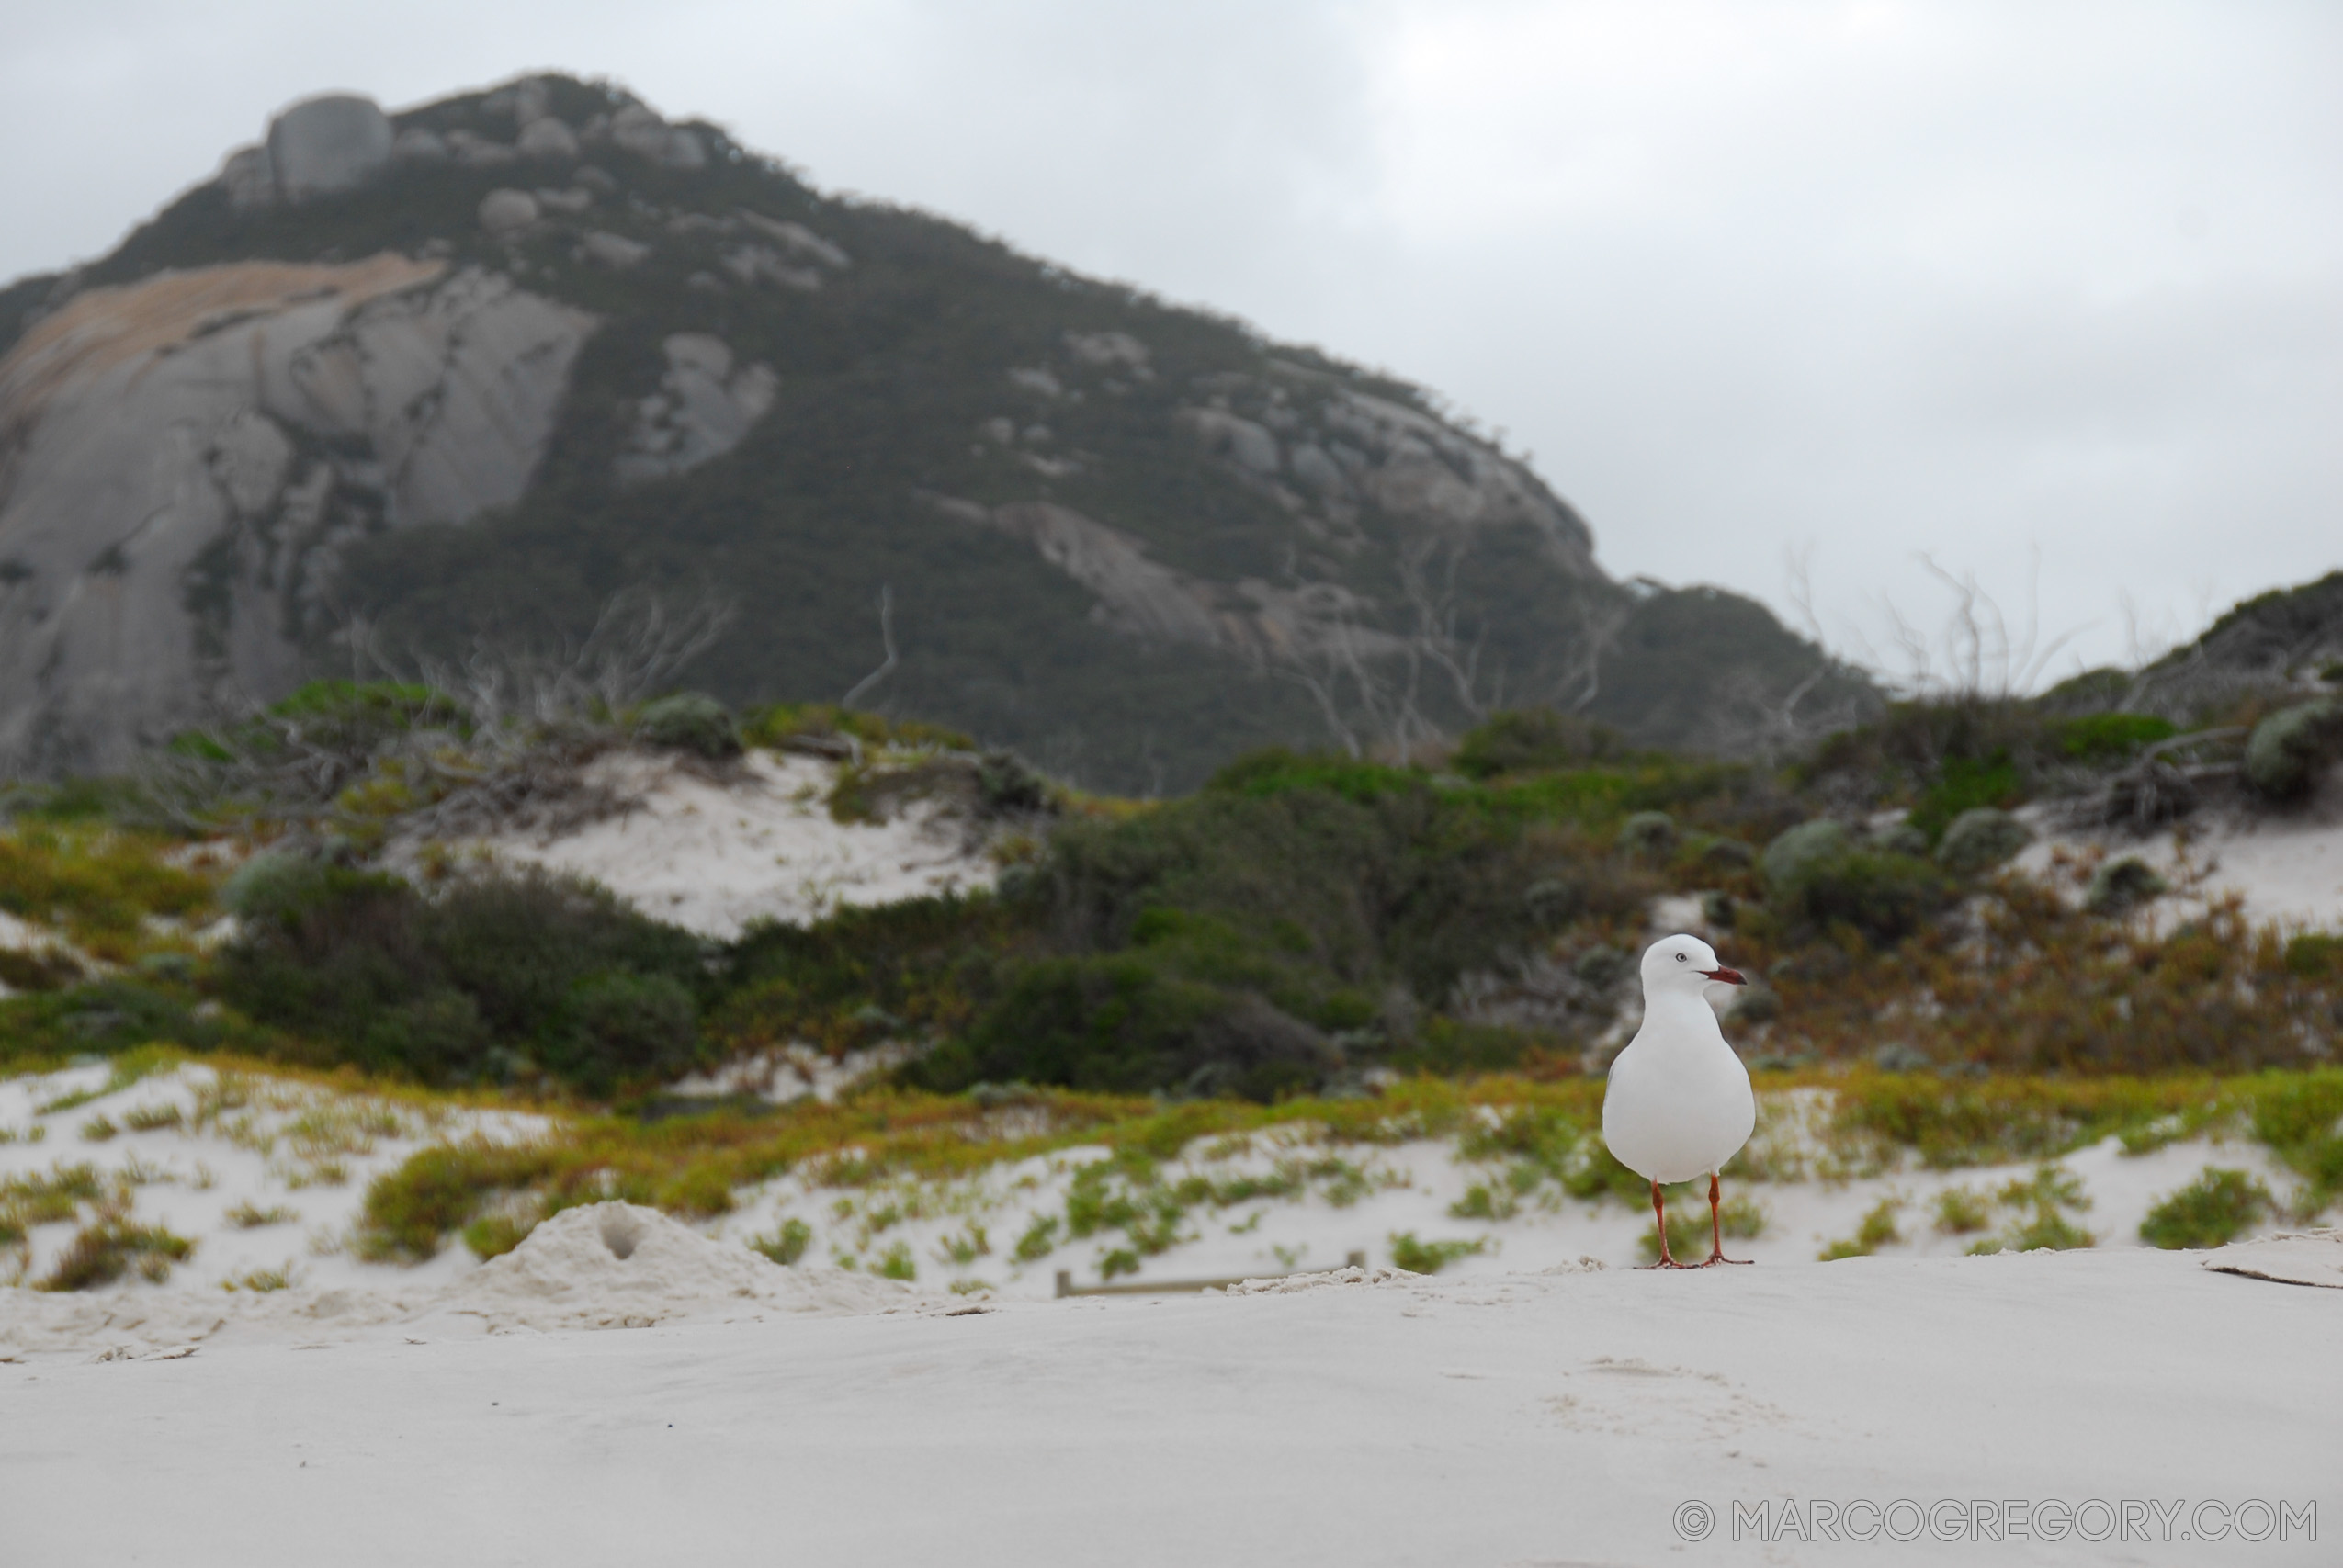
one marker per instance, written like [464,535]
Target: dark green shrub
[624,1027]
[2213,1210]
[1817,871]
[1532,739]
[2105,737]
[1964,783]
[269,883]
[21,971]
[2122,885]
[1004,784]
[2287,749]
[488,978]
[1553,901]
[1792,858]
[2314,953]
[1886,897]
[1727,854]
[1649,833]
[689,721]
[1122,1023]
[1981,839]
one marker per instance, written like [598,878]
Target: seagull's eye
[1680,958]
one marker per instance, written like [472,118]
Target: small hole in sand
[620,1232]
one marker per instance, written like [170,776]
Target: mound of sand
[605,1266]
[621,1266]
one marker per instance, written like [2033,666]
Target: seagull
[1679,1102]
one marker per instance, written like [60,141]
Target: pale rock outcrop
[249,179]
[1319,472]
[182,457]
[761,264]
[702,410]
[1144,599]
[1415,465]
[504,213]
[638,129]
[547,138]
[328,144]
[1036,379]
[1109,350]
[1249,445]
[800,241]
[475,152]
[613,251]
[418,144]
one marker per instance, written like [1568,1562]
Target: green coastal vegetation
[1378,950]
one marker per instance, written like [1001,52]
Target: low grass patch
[2213,1210]
[787,1244]
[248,1215]
[98,884]
[1418,1257]
[1877,1229]
[494,1236]
[46,1200]
[102,1253]
[2040,1206]
[1542,1140]
[1962,1210]
[260,1280]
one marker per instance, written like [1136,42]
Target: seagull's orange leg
[1716,1232]
[1660,1215]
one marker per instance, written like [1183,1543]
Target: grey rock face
[613,251]
[1249,445]
[1108,350]
[249,178]
[417,145]
[1144,599]
[802,241]
[761,264]
[504,213]
[325,145]
[1416,464]
[547,138]
[474,151]
[183,459]
[639,131]
[702,410]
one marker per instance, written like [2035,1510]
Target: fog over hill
[399,385]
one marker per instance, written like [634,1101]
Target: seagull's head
[1687,965]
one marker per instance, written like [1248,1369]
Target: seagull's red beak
[1727,976]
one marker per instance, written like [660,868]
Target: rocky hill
[402,384]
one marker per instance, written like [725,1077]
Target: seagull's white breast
[1678,1104]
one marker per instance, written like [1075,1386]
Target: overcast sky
[1846,284]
